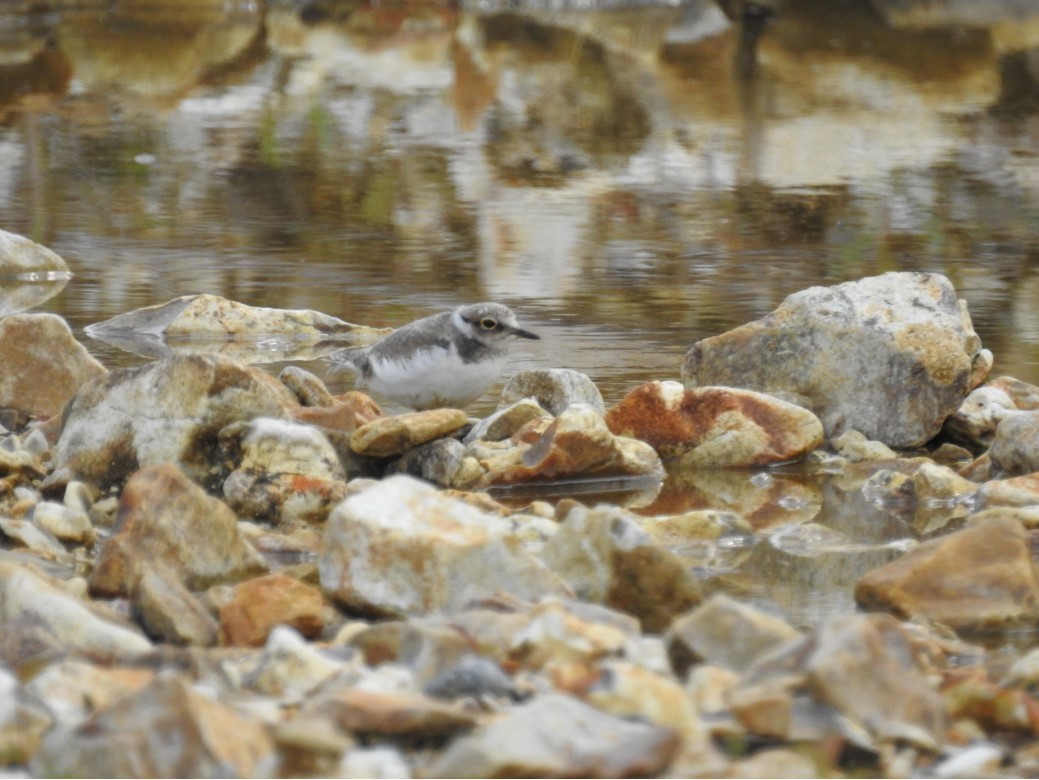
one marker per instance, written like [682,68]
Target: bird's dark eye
[488,323]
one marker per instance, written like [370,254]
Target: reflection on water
[629,180]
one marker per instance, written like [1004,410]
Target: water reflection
[629,179]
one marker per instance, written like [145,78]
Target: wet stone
[308,389]
[553,389]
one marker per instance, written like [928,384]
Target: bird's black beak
[525,334]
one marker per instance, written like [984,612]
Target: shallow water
[629,179]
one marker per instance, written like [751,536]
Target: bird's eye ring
[488,323]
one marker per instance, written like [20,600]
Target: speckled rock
[166,729]
[715,426]
[554,389]
[606,557]
[164,516]
[256,606]
[170,411]
[388,436]
[43,364]
[891,356]
[288,472]
[977,579]
[559,736]
[401,548]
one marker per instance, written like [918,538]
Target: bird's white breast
[434,377]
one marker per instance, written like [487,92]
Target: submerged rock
[163,516]
[171,411]
[401,548]
[43,364]
[891,356]
[559,736]
[977,579]
[715,427]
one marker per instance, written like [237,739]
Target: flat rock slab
[388,436]
[891,356]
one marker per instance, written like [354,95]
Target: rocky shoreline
[209,571]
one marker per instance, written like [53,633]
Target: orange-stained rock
[347,413]
[258,605]
[979,578]
[715,426]
[396,714]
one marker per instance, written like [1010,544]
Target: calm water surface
[629,180]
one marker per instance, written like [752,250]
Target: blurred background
[629,176]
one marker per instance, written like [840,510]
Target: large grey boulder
[891,356]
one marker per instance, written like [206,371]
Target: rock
[383,761]
[920,481]
[256,606]
[21,257]
[630,691]
[290,667]
[576,445]
[727,633]
[168,610]
[975,422]
[166,729]
[977,579]
[212,317]
[288,472]
[891,356]
[347,413]
[315,747]
[79,625]
[399,548]
[970,693]
[27,639]
[388,436]
[43,364]
[855,447]
[165,517]
[554,633]
[1015,447]
[606,557]
[559,736]
[383,713]
[309,390]
[23,722]
[171,411]
[774,763]
[74,689]
[472,676]
[437,462]
[506,421]
[862,666]
[554,390]
[29,274]
[1020,492]
[717,427]
[24,534]
[64,524]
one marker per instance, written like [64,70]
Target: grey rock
[554,389]
[891,356]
